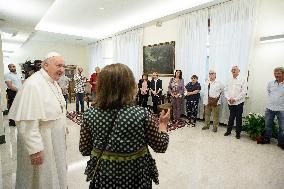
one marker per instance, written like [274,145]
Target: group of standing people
[177,90]
[117,134]
[234,91]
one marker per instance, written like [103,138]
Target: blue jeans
[80,98]
[269,118]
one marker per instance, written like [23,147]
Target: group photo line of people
[117,132]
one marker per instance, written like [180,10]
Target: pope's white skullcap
[51,54]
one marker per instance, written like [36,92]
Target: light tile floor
[195,159]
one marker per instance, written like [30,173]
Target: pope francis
[40,115]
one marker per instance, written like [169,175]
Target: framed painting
[159,58]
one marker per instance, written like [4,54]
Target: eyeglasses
[212,73]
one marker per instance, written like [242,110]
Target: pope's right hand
[37,158]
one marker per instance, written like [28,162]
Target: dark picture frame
[159,58]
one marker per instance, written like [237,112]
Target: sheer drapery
[231,29]
[191,48]
[231,35]
[100,54]
[191,45]
[128,49]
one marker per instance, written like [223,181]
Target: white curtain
[231,29]
[128,49]
[100,54]
[191,47]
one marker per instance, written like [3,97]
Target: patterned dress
[192,101]
[133,129]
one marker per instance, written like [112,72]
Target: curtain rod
[207,7]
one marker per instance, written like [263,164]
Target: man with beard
[40,115]
[14,83]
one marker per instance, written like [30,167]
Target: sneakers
[205,128]
[214,129]
[227,133]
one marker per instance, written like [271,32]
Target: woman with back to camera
[116,135]
[176,90]
[143,90]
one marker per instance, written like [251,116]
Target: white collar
[46,76]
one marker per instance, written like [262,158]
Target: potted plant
[254,125]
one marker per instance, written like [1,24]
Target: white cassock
[40,114]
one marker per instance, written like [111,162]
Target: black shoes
[227,133]
[281,146]
[12,123]
[263,140]
[238,136]
[2,139]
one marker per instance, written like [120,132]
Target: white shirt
[275,96]
[15,78]
[216,88]
[236,88]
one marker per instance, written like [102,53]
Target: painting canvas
[159,58]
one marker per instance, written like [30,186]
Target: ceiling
[81,22]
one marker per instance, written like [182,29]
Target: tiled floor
[195,159]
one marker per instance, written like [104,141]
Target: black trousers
[11,96]
[80,99]
[143,99]
[236,112]
[155,100]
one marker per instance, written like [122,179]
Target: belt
[120,156]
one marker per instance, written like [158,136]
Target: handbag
[213,102]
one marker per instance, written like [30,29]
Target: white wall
[267,56]
[32,50]
[1,115]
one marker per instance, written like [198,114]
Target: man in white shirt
[235,93]
[40,115]
[14,83]
[213,90]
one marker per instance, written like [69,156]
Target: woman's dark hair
[194,77]
[180,75]
[116,87]
[144,74]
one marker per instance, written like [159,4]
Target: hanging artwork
[159,58]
